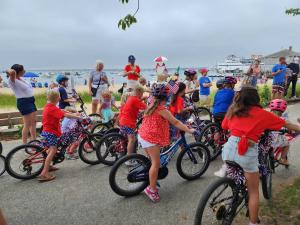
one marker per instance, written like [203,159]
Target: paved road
[81,195]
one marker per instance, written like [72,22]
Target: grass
[284,208]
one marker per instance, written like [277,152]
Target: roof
[283,53]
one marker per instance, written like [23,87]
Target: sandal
[53,168]
[46,178]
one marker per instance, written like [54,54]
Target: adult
[279,79]
[132,72]
[294,67]
[25,100]
[254,72]
[98,82]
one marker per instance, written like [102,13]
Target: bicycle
[23,165]
[137,176]
[227,196]
[2,161]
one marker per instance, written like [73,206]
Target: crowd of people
[236,109]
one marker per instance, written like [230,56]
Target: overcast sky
[49,34]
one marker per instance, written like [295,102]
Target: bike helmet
[60,78]
[220,83]
[230,80]
[190,72]
[203,70]
[278,105]
[161,91]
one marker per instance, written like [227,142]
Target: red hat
[203,70]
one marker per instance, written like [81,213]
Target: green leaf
[120,23]
[123,25]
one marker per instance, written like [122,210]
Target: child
[52,131]
[64,98]
[278,107]
[154,134]
[246,121]
[106,106]
[129,115]
[190,81]
[205,85]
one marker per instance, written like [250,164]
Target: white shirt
[21,88]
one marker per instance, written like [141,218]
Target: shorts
[131,84]
[51,139]
[127,130]
[26,105]
[249,161]
[144,143]
[278,88]
[279,141]
[100,89]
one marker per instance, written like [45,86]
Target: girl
[190,81]
[106,106]
[154,134]
[246,121]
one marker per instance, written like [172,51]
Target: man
[294,67]
[132,72]
[279,79]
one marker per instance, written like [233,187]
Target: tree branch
[130,19]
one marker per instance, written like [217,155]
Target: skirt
[26,105]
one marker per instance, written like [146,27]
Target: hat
[131,58]
[203,70]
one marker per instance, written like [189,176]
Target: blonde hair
[99,62]
[53,95]
[106,93]
[71,109]
[162,77]
[152,107]
[125,97]
[142,79]
[138,89]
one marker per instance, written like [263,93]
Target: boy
[279,79]
[129,115]
[65,101]
[205,85]
[52,131]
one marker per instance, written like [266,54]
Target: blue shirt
[204,90]
[223,100]
[63,96]
[280,77]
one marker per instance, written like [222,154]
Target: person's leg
[131,143]
[287,86]
[52,151]
[26,126]
[154,153]
[253,191]
[32,127]
[95,106]
[254,81]
[2,219]
[294,83]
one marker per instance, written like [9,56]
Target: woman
[254,72]
[98,83]
[25,100]
[132,72]
[246,121]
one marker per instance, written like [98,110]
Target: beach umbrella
[160,59]
[30,74]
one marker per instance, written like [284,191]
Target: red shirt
[132,76]
[155,128]
[252,126]
[51,119]
[178,106]
[130,111]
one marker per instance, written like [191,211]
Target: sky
[73,34]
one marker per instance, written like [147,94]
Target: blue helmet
[131,58]
[60,78]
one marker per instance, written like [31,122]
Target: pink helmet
[278,105]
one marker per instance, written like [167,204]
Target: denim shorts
[26,105]
[249,161]
[127,130]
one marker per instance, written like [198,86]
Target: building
[270,60]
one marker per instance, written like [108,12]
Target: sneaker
[152,194]
[72,157]
[284,162]
[130,163]
[294,97]
[221,172]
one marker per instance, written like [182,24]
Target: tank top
[155,128]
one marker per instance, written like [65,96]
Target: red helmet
[203,70]
[278,105]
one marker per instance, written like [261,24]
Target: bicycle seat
[233,164]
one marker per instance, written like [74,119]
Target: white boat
[234,64]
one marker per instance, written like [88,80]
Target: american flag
[173,86]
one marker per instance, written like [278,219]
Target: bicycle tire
[204,154]
[266,180]
[206,196]
[98,125]
[1,148]
[33,142]
[214,150]
[14,174]
[2,165]
[203,109]
[109,143]
[112,176]
[82,150]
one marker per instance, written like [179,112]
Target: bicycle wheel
[2,165]
[203,113]
[95,117]
[266,179]
[31,151]
[87,149]
[216,206]
[129,180]
[212,137]
[99,128]
[21,165]
[193,162]
[111,147]
[1,148]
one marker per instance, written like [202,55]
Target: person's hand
[190,107]
[11,72]
[192,131]
[298,120]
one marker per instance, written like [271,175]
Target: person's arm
[90,86]
[292,126]
[275,71]
[72,116]
[105,79]
[225,124]
[172,120]
[11,74]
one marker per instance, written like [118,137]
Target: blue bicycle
[192,162]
